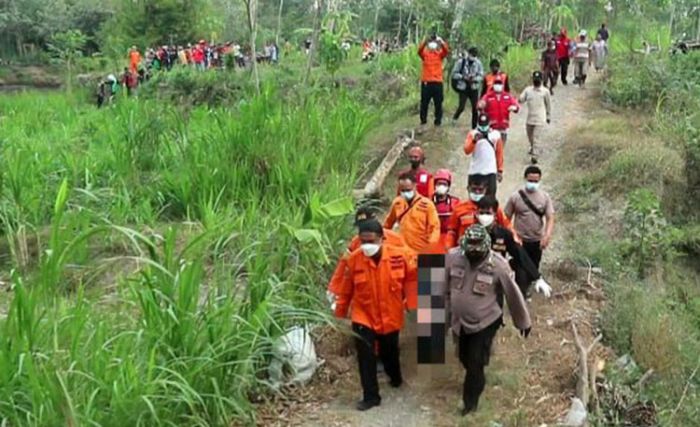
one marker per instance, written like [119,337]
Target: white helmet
[111,78]
[583,33]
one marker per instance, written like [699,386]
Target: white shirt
[484,155]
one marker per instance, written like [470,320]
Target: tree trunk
[408,26]
[671,20]
[314,39]
[398,33]
[697,32]
[279,23]
[252,9]
[457,23]
[376,19]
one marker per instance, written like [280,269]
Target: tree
[67,48]
[314,39]
[251,7]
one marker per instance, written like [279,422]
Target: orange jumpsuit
[390,238]
[379,292]
[134,61]
[419,224]
[464,216]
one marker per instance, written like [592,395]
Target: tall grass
[159,251]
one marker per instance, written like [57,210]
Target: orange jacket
[419,224]
[470,145]
[490,78]
[390,238]
[432,62]
[134,59]
[464,216]
[379,292]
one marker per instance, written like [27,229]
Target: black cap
[483,120]
[537,75]
[371,226]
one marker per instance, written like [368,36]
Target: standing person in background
[532,213]
[582,59]
[550,66]
[599,49]
[497,104]
[485,146]
[432,52]
[467,74]
[181,55]
[562,42]
[129,81]
[444,202]
[424,179]
[134,59]
[494,74]
[538,102]
[415,215]
[603,33]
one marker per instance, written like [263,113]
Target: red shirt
[444,208]
[562,43]
[496,108]
[198,54]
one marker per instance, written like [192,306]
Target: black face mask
[537,82]
[415,164]
[475,256]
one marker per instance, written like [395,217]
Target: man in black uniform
[503,242]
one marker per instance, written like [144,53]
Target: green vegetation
[637,178]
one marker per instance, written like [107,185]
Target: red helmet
[443,174]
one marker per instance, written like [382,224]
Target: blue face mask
[408,195]
[483,129]
[532,186]
[475,197]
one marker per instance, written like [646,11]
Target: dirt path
[529,382]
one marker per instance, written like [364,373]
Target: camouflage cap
[476,239]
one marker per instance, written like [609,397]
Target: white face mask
[486,219]
[432,45]
[475,197]
[370,249]
[532,186]
[442,189]
[498,88]
[408,195]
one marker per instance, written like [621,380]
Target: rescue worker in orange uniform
[465,214]
[424,179]
[416,216]
[381,282]
[134,60]
[389,237]
[443,201]
[432,52]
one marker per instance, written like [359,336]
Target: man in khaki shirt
[536,99]
[532,213]
[476,279]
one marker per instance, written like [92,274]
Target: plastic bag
[294,359]
[577,414]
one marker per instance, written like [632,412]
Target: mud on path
[529,382]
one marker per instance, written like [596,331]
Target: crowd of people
[200,56]
[492,253]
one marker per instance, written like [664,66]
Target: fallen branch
[583,386]
[376,182]
[644,379]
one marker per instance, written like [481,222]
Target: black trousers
[474,353]
[534,251]
[550,78]
[431,91]
[563,69]
[491,181]
[473,96]
[367,360]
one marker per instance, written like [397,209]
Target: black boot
[364,405]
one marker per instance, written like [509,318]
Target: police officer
[476,278]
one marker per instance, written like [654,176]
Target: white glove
[543,288]
[512,108]
[330,296]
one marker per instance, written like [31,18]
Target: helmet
[583,33]
[476,239]
[443,174]
[416,151]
